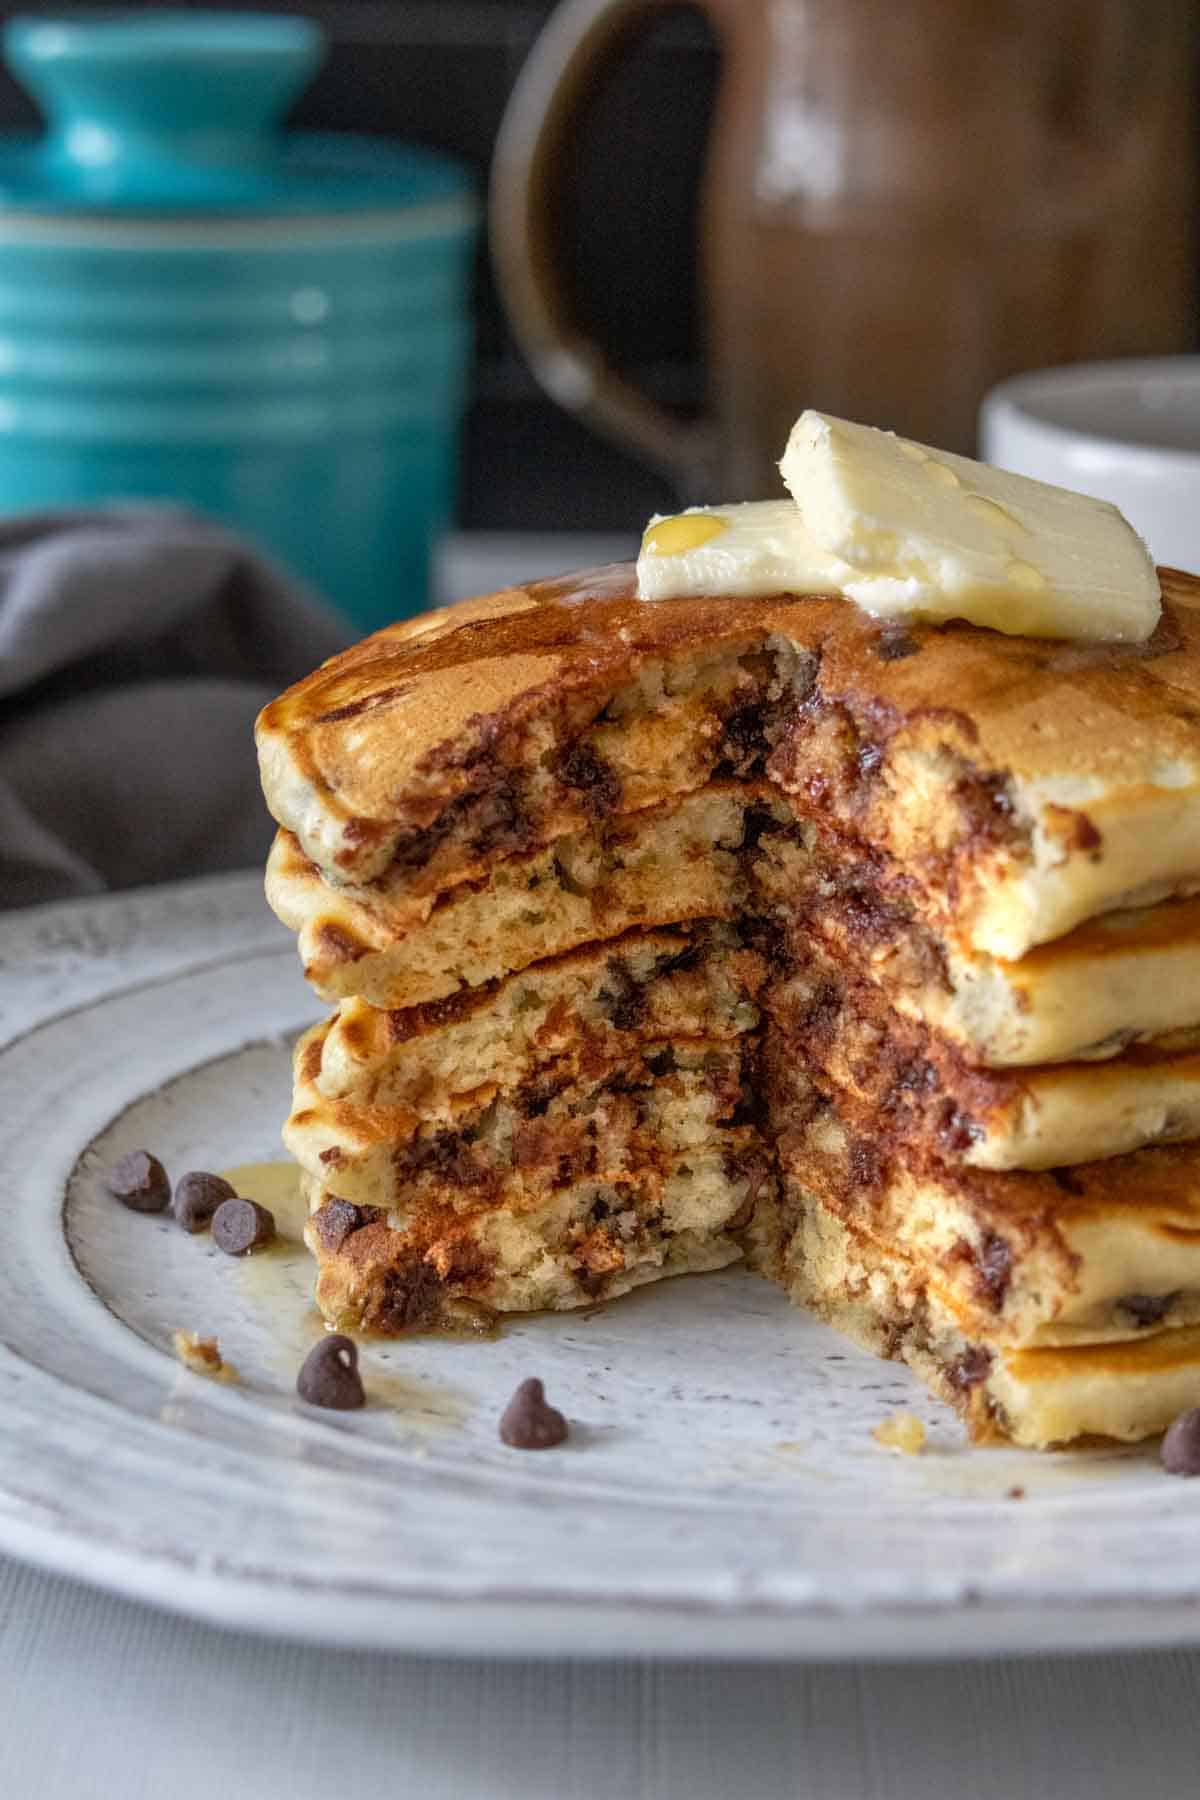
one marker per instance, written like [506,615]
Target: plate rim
[79,952]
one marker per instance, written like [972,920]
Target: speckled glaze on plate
[720,1494]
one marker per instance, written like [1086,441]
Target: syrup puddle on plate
[275,1185]
[278,1279]
[278,1282]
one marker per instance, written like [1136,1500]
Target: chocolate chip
[681,963]
[527,1423]
[758,822]
[972,1367]
[329,1375]
[139,1182]
[535,1098]
[498,822]
[1084,835]
[598,785]
[994,1261]
[242,1225]
[622,999]
[409,1298]
[197,1197]
[336,1219]
[1181,1446]
[1146,1309]
[446,1156]
[745,739]
[957,1130]
[892,646]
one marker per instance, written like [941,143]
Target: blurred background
[438,73]
[1055,133]
[251,269]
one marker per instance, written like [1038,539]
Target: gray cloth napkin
[136,646]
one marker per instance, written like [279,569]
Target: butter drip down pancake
[661,935]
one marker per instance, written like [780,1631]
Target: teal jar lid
[153,113]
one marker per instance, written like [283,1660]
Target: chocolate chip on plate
[527,1423]
[197,1197]
[1181,1446]
[139,1182]
[242,1225]
[329,1375]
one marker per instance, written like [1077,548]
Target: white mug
[1126,431]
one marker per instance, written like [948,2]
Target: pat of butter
[924,534]
[759,547]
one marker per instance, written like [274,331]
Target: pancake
[586,1009]
[494,727]
[540,1246]
[1022,786]
[1023,1258]
[656,1105]
[663,932]
[665,865]
[1125,1389]
[1126,978]
[911,1086]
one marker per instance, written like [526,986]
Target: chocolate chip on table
[197,1197]
[242,1225]
[139,1182]
[1181,1446]
[527,1423]
[329,1375]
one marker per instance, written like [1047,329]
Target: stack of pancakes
[664,934]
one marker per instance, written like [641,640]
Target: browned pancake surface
[472,732]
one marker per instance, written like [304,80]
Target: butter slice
[756,547]
[925,535]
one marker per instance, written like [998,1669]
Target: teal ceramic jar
[195,306]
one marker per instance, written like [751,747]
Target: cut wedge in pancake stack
[663,934]
[567,1133]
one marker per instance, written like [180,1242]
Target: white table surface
[101,1699]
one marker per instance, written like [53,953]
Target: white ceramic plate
[721,1493]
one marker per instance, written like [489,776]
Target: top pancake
[1022,785]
